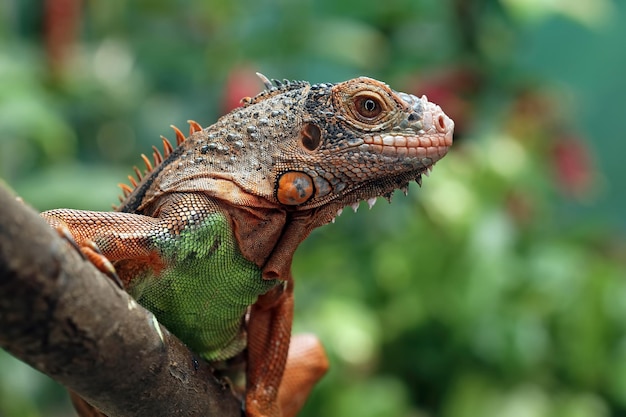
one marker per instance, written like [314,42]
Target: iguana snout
[425,133]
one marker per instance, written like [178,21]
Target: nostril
[441,123]
[413,117]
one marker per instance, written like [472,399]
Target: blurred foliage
[498,289]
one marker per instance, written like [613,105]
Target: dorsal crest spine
[157,157]
[273,87]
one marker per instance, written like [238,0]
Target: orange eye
[368,106]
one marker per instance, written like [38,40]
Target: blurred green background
[498,289]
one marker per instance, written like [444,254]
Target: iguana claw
[90,252]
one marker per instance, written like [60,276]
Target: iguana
[205,237]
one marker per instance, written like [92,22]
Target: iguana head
[301,147]
[358,140]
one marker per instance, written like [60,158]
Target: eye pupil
[368,107]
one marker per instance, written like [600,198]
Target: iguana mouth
[408,146]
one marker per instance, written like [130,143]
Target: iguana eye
[368,106]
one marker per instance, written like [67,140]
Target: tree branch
[60,315]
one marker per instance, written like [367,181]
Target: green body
[203,292]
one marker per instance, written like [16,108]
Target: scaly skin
[206,238]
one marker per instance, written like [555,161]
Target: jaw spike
[125,189]
[147,162]
[418,180]
[180,138]
[266,81]
[371,202]
[158,158]
[405,189]
[193,127]
[132,181]
[138,173]
[167,146]
[388,197]
[355,206]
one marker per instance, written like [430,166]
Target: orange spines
[125,189]
[138,173]
[167,146]
[156,154]
[194,127]
[158,158]
[180,138]
[147,162]
[132,181]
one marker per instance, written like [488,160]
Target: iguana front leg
[306,365]
[269,334]
[282,369]
[104,237]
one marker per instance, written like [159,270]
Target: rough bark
[63,317]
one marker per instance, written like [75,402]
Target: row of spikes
[158,158]
[272,87]
[274,83]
